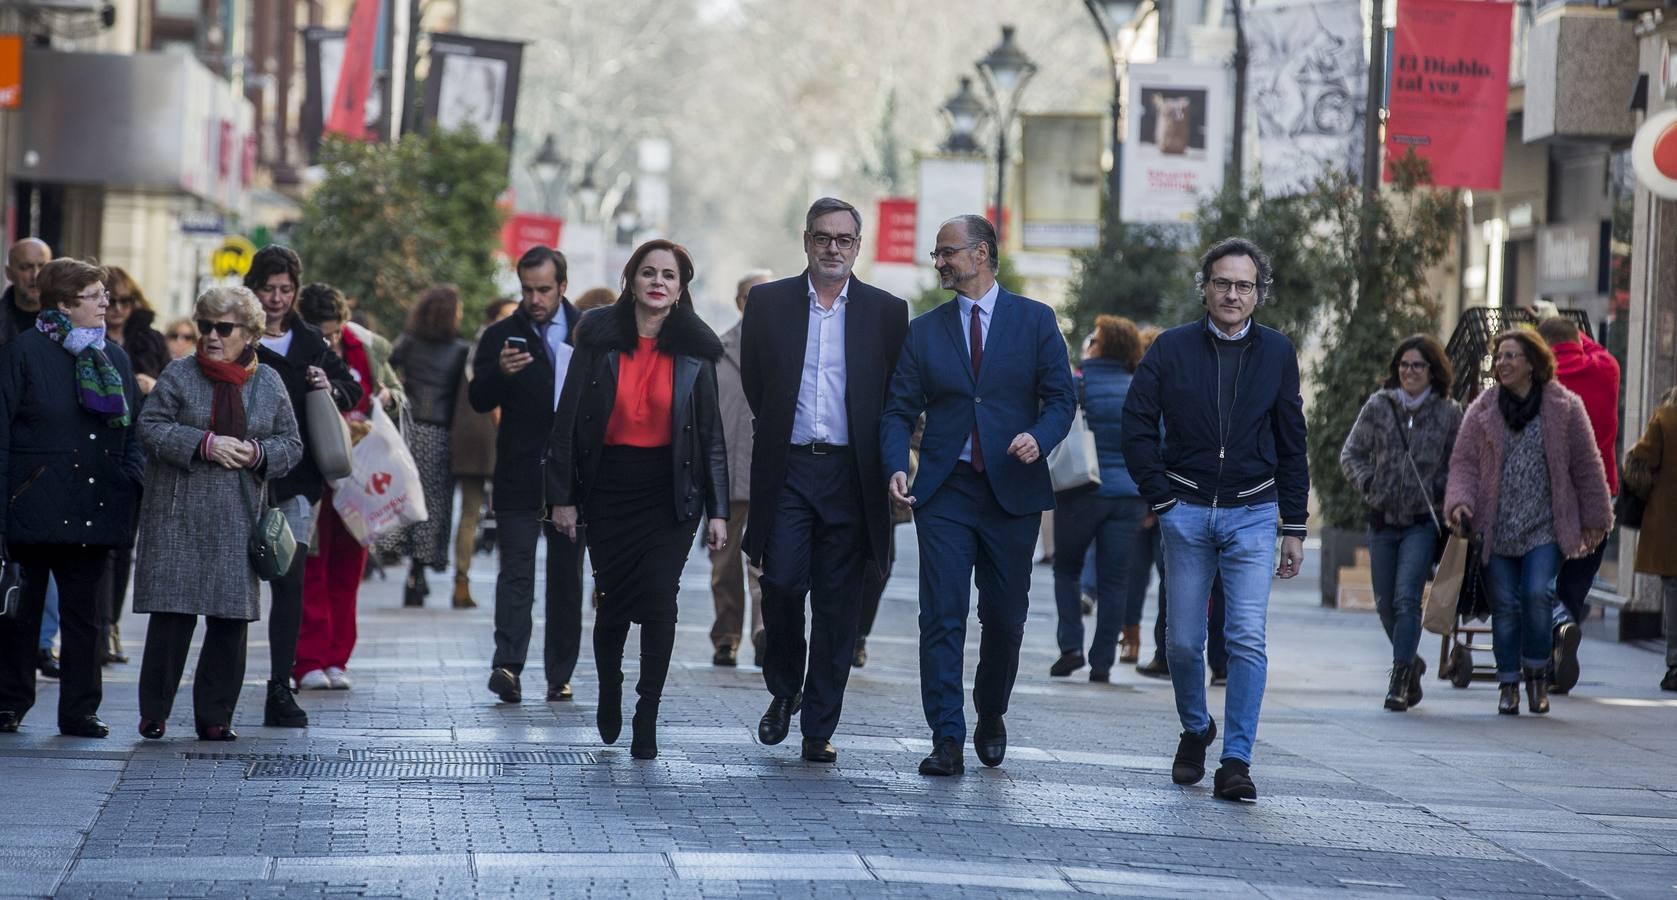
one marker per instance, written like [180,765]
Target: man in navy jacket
[989,370]
[1229,465]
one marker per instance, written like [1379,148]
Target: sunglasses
[225,329]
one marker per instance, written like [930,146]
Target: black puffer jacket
[308,348]
[71,478]
[431,373]
[579,425]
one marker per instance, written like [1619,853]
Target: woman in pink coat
[1526,475]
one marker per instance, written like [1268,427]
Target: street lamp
[587,193]
[1006,70]
[965,112]
[546,167]
[1118,21]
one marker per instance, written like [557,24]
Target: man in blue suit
[989,371]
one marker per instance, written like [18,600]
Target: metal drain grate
[371,769]
[493,757]
[250,757]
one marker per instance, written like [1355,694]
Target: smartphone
[522,345]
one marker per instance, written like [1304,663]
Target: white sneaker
[338,678]
[314,681]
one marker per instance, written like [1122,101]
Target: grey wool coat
[195,516]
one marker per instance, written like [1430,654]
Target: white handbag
[1075,462]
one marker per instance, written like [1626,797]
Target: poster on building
[1176,140]
[1308,81]
[895,243]
[473,84]
[1060,185]
[949,186]
[1449,90]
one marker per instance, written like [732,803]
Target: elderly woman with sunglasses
[217,429]
[182,336]
[72,465]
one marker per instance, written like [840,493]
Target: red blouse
[640,416]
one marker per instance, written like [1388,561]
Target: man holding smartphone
[520,367]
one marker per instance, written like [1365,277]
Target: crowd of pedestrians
[620,428]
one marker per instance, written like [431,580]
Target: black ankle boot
[609,717]
[1537,691]
[415,588]
[1397,692]
[1508,701]
[644,743]
[281,710]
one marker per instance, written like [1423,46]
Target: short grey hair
[234,300]
[830,205]
[747,280]
[980,231]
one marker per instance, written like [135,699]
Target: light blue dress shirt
[821,414]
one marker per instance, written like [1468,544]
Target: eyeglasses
[945,254]
[842,241]
[94,297]
[1414,366]
[1242,288]
[123,299]
[1510,356]
[225,329]
[183,336]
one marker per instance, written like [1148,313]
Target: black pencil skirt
[636,545]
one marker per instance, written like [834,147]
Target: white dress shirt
[986,306]
[1212,327]
[558,351]
[821,414]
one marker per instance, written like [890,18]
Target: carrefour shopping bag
[382,492]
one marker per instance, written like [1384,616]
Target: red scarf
[227,410]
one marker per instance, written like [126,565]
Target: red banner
[1449,89]
[896,231]
[526,230]
[355,76]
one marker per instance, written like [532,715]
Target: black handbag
[11,588]
[1628,508]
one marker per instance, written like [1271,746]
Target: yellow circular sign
[233,257]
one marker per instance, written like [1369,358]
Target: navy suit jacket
[1024,386]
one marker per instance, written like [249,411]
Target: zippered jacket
[1179,446]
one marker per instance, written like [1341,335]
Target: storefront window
[1614,333]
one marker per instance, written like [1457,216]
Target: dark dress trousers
[971,523]
[816,519]
[527,403]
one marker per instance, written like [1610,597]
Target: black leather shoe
[778,719]
[281,709]
[1417,668]
[47,663]
[725,656]
[217,733]
[86,726]
[1100,676]
[1668,683]
[989,740]
[504,684]
[1219,677]
[860,657]
[151,729]
[1567,637]
[1508,699]
[945,758]
[820,750]
[1068,663]
[1397,688]
[1157,667]
[560,694]
[1189,765]
[1537,692]
[1233,781]
[9,721]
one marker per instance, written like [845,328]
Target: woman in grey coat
[216,428]
[1398,457]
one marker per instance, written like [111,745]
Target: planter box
[1339,548]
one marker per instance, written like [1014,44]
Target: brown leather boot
[463,594]
[1129,645]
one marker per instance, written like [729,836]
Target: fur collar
[613,328]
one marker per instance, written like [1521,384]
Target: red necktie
[975,343]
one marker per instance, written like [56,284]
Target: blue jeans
[1237,543]
[1522,610]
[1109,525]
[49,615]
[1401,559]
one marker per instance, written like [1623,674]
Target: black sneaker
[1189,765]
[47,663]
[281,709]
[1233,781]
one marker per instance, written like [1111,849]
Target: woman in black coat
[72,465]
[637,456]
[305,362]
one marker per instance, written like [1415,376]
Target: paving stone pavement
[417,783]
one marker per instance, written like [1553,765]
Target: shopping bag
[382,492]
[1074,463]
[1438,612]
[328,435]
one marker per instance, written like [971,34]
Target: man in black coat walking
[520,366]
[816,355]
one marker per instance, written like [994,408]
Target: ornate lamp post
[547,167]
[965,112]
[1118,21]
[1006,70]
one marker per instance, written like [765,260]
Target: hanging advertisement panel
[1061,184]
[473,85]
[1309,83]
[1176,140]
[949,186]
[1449,90]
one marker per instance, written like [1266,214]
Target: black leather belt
[820,448]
